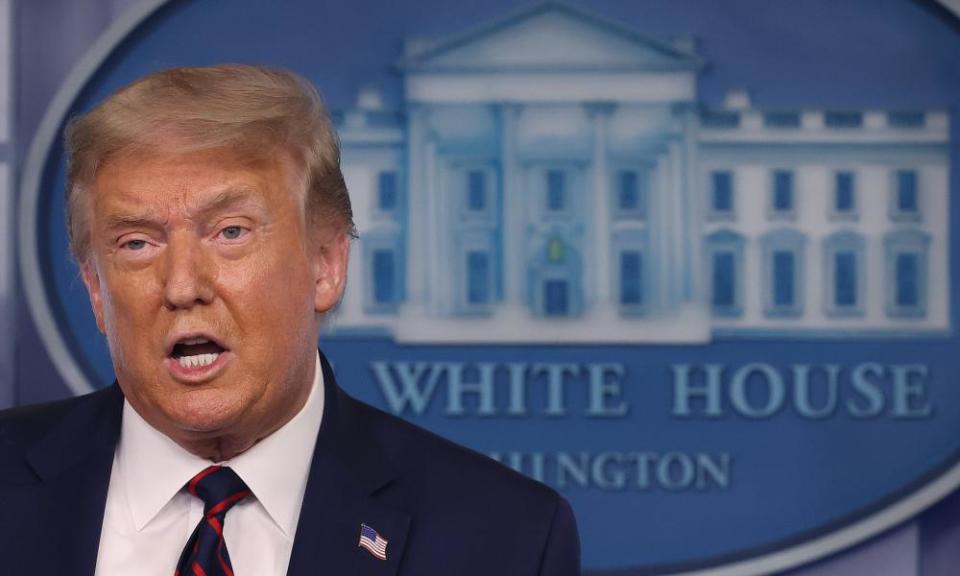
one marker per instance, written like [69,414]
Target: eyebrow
[225,199]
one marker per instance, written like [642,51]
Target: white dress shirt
[149,517]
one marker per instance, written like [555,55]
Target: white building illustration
[551,177]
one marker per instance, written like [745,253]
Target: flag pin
[373,542]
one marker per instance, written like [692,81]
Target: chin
[204,415]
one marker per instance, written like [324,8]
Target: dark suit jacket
[446,511]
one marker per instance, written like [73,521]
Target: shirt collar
[154,468]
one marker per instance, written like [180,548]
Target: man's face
[209,288]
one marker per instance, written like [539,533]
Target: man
[211,223]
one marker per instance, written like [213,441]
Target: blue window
[844,201]
[724,279]
[556,191]
[476,191]
[843,260]
[724,255]
[782,119]
[843,119]
[384,277]
[907,280]
[906,119]
[782,202]
[628,200]
[631,195]
[721,197]
[783,278]
[907,201]
[719,119]
[478,278]
[387,191]
[556,300]
[631,278]
[845,279]
[906,256]
[783,272]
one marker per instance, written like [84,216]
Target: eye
[233,232]
[134,244]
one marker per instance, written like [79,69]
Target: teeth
[197,361]
[197,340]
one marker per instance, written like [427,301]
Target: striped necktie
[206,553]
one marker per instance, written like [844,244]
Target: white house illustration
[551,177]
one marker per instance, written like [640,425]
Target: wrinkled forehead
[169,156]
[194,181]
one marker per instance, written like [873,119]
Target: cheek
[268,288]
[127,306]
[271,305]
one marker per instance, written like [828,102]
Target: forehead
[171,178]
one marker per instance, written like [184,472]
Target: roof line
[457,40]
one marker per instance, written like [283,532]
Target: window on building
[724,251]
[906,286]
[628,199]
[631,195]
[844,271]
[476,191]
[783,272]
[724,279]
[384,277]
[556,191]
[556,297]
[906,198]
[906,119]
[383,272]
[781,120]
[721,194]
[844,194]
[478,278]
[784,278]
[387,192]
[843,119]
[782,201]
[631,278]
[719,119]
[906,255]
[845,279]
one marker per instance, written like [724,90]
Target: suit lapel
[73,463]
[347,471]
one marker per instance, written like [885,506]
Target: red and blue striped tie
[206,553]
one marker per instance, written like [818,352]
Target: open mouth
[196,352]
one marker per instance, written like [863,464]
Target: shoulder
[24,427]
[455,491]
[419,453]
[26,424]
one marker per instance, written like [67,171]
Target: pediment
[551,37]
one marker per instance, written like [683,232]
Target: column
[436,276]
[416,209]
[676,225]
[512,224]
[661,229]
[692,211]
[599,198]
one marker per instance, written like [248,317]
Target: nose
[187,282]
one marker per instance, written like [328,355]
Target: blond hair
[254,110]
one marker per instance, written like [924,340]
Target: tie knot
[219,488]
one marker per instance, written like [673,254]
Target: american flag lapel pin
[373,542]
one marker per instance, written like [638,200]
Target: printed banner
[690,263]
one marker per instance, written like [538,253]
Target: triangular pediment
[549,36]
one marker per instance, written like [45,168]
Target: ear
[330,271]
[91,279]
